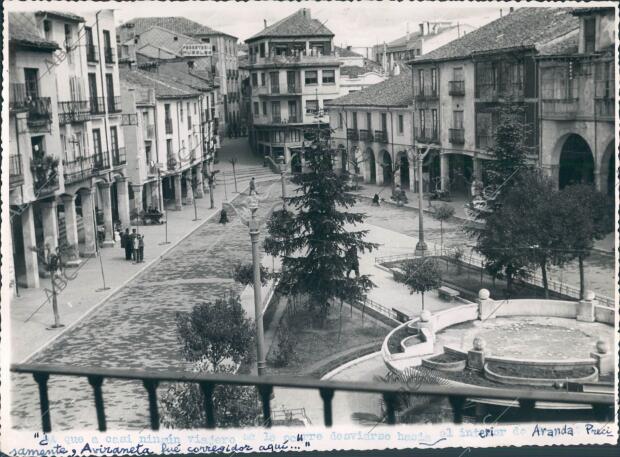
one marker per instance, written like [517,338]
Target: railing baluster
[265,396]
[327,395]
[96,382]
[602,413]
[151,387]
[389,399]
[457,403]
[207,391]
[44,404]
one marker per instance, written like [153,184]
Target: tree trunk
[340,323]
[582,278]
[543,269]
[422,301]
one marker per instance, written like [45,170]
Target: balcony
[352,134]
[119,157]
[275,90]
[101,161]
[73,111]
[456,136]
[296,58]
[168,124]
[601,404]
[149,132]
[109,55]
[18,98]
[92,53]
[493,92]
[456,88]
[16,174]
[114,104]
[605,107]
[39,112]
[78,170]
[97,105]
[381,136]
[426,96]
[426,135]
[366,135]
[560,109]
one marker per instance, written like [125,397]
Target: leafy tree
[421,275]
[244,274]
[314,241]
[590,217]
[216,331]
[443,213]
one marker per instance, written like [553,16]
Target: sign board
[197,50]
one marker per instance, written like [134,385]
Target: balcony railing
[119,157]
[18,98]
[602,404]
[293,89]
[563,109]
[456,136]
[149,132]
[101,161]
[426,96]
[456,88]
[73,111]
[381,136]
[79,169]
[114,104]
[275,90]
[366,135]
[168,124]
[97,105]
[92,53]
[352,134]
[426,135]
[16,175]
[491,91]
[604,107]
[484,141]
[109,55]
[39,112]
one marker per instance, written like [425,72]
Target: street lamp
[421,246]
[258,312]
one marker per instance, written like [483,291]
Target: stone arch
[370,168]
[607,169]
[387,166]
[402,161]
[576,161]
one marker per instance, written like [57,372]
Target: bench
[400,316]
[447,293]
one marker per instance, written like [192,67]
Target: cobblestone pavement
[136,328]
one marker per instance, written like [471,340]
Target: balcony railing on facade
[39,112]
[352,134]
[560,108]
[426,135]
[109,55]
[456,136]
[295,57]
[79,169]
[16,174]
[456,88]
[97,105]
[284,120]
[602,405]
[168,125]
[494,92]
[366,135]
[381,136]
[119,157]
[73,111]
[92,53]
[101,161]
[426,96]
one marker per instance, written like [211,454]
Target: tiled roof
[568,44]
[525,27]
[180,73]
[353,71]
[344,52]
[62,15]
[23,30]
[160,37]
[175,23]
[396,91]
[164,86]
[297,24]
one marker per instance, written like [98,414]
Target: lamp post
[282,173]
[258,311]
[165,210]
[421,246]
[194,182]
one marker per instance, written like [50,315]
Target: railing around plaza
[16,175]
[73,111]
[78,169]
[456,88]
[457,136]
[380,136]
[602,404]
[368,303]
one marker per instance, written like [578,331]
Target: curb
[120,286]
[344,366]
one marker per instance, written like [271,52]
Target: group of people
[133,244]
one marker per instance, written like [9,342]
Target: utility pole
[258,302]
[421,246]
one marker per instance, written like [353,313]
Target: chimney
[305,12]
[421,29]
[265,22]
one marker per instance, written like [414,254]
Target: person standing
[126,244]
[140,248]
[253,186]
[134,246]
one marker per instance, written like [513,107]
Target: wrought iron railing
[492,91]
[92,53]
[426,96]
[456,136]
[484,141]
[18,97]
[101,161]
[352,134]
[73,111]
[366,135]
[426,135]
[97,105]
[39,112]
[16,174]
[564,108]
[78,169]
[114,104]
[119,157]
[109,55]
[456,88]
[604,107]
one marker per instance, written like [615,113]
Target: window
[195,111]
[256,113]
[47,28]
[434,81]
[589,32]
[169,147]
[354,115]
[262,79]
[384,122]
[312,106]
[434,120]
[67,35]
[457,74]
[262,49]
[275,110]
[326,103]
[31,80]
[97,144]
[422,122]
[457,119]
[369,121]
[167,110]
[329,76]
[311,77]
[401,124]
[292,111]
[114,142]
[421,82]
[339,120]
[264,108]
[274,77]
[254,79]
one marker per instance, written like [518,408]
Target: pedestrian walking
[140,248]
[253,186]
[134,246]
[223,216]
[375,200]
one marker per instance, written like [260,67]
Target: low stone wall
[605,315]
[535,307]
[452,316]
[547,382]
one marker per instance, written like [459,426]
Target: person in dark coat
[223,216]
[375,200]
[353,262]
[126,244]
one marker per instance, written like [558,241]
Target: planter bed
[445,362]
[395,339]
[540,372]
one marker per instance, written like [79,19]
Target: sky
[354,23]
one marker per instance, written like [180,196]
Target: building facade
[68,172]
[293,74]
